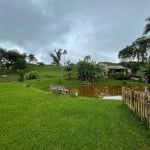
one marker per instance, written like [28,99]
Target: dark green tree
[147,26]
[21,75]
[3,56]
[136,54]
[145,71]
[19,64]
[141,46]
[32,58]
[127,54]
[88,71]
[12,57]
[69,68]
[41,64]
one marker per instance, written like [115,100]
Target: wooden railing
[138,101]
[59,89]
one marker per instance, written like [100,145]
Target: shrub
[32,75]
[121,76]
[21,75]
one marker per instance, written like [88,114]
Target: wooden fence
[59,89]
[139,101]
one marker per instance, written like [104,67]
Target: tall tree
[32,58]
[127,54]
[69,68]
[56,55]
[138,51]
[12,57]
[147,26]
[3,54]
[141,47]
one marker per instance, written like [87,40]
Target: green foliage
[69,68]
[21,75]
[137,52]
[121,76]
[32,75]
[147,26]
[88,71]
[41,64]
[19,64]
[145,71]
[12,59]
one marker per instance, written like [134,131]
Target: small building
[110,70]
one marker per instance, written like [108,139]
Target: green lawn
[34,119]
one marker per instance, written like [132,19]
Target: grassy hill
[32,117]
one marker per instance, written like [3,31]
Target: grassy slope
[53,74]
[35,119]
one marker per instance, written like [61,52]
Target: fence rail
[138,101]
[59,89]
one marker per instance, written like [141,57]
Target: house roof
[115,67]
[106,66]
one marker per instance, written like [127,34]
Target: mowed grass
[34,119]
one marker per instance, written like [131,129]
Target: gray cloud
[99,28]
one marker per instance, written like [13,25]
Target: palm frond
[147,28]
[147,19]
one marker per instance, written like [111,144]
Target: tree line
[137,54]
[14,59]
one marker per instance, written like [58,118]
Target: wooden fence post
[138,101]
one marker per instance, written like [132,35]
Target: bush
[121,76]
[21,75]
[32,75]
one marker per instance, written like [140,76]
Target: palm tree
[138,50]
[127,53]
[147,27]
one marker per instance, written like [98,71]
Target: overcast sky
[99,28]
